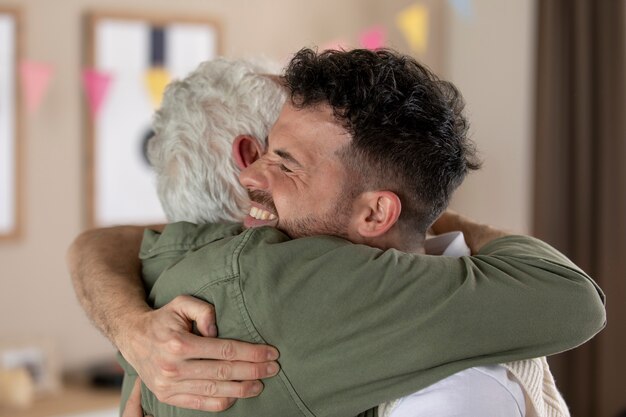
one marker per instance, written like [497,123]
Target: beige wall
[489,59]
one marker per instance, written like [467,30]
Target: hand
[133,405]
[476,234]
[172,361]
[448,221]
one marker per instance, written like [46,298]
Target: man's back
[451,314]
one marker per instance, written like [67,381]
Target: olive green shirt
[357,326]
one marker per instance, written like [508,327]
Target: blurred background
[544,86]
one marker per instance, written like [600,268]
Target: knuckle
[260,354]
[209,312]
[178,299]
[170,371]
[159,387]
[224,371]
[176,345]
[255,373]
[228,350]
[197,403]
[208,308]
[210,389]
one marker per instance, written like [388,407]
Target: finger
[133,405]
[198,402]
[228,371]
[228,350]
[193,309]
[220,389]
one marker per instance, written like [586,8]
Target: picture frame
[10,125]
[130,48]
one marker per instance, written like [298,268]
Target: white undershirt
[485,391]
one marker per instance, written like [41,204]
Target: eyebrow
[286,155]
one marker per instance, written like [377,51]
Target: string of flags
[413,22]
[35,78]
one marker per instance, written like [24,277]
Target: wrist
[129,327]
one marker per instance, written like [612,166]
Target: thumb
[193,309]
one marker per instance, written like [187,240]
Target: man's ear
[376,213]
[246,150]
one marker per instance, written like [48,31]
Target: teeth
[261,214]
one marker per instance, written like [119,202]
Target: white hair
[201,115]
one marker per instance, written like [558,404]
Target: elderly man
[375,163]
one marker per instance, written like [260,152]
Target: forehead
[309,133]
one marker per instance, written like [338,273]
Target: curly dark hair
[409,133]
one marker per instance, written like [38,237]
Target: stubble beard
[333,223]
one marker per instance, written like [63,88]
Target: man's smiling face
[299,184]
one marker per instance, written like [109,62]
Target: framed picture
[139,55]
[10,140]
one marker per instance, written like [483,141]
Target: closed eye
[284,168]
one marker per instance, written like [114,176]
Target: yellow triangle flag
[413,22]
[156,80]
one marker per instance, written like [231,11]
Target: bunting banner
[96,85]
[413,23]
[35,80]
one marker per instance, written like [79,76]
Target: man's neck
[395,239]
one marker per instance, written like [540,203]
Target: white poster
[8,128]
[129,50]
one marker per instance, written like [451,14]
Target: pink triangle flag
[96,84]
[35,79]
[373,38]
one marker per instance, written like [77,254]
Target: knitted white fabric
[543,399]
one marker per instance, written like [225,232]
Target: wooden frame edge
[18,153]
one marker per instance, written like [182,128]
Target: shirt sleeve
[357,326]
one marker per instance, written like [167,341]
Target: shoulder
[183,236]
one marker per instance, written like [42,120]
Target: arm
[425,317]
[105,271]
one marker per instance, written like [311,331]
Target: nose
[254,177]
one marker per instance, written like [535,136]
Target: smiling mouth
[261,214]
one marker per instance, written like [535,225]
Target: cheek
[286,198]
